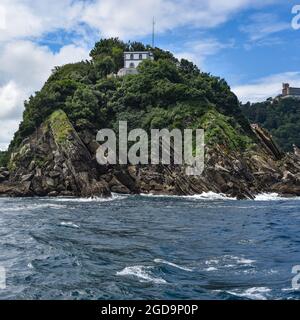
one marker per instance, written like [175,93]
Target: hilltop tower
[288,91]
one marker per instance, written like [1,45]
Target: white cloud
[133,18]
[24,67]
[10,97]
[7,129]
[264,88]
[200,50]
[30,65]
[262,25]
[33,18]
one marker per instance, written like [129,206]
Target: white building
[132,60]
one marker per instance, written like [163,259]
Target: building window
[141,56]
[131,65]
[132,56]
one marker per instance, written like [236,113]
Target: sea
[205,247]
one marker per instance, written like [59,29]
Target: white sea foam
[273,197]
[220,196]
[245,261]
[69,224]
[212,261]
[34,207]
[210,269]
[240,260]
[143,274]
[289,289]
[91,199]
[173,265]
[203,196]
[211,196]
[255,293]
[227,261]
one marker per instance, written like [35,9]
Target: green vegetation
[60,126]
[3,158]
[281,117]
[167,93]
[221,130]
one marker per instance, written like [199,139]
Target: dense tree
[3,158]
[281,117]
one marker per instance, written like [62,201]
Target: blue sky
[250,43]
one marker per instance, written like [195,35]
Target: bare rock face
[54,161]
[296,151]
[267,141]
[4,174]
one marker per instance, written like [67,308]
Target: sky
[253,44]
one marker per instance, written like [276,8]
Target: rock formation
[57,161]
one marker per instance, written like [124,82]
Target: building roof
[137,52]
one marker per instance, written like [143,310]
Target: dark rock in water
[53,194]
[15,190]
[287,189]
[4,174]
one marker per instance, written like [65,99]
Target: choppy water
[149,248]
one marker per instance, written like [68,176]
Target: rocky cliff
[58,161]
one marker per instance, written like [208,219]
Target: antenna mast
[153,32]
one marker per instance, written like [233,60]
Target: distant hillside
[280,117]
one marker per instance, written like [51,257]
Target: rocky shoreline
[59,161]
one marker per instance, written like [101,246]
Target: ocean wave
[220,196]
[91,199]
[240,260]
[227,261]
[212,261]
[245,261]
[289,289]
[69,224]
[203,196]
[209,269]
[173,265]
[33,207]
[273,197]
[255,293]
[143,273]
